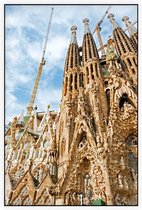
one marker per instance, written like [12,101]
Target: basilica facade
[85,153]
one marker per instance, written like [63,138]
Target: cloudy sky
[25,31]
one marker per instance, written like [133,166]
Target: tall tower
[72,64]
[73,80]
[91,66]
[82,123]
[131,29]
[126,49]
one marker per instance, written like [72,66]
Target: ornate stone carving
[85,150]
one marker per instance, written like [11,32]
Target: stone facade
[88,149]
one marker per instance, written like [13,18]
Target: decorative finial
[125,18]
[48,106]
[111,16]
[73,37]
[86,20]
[112,20]
[73,29]
[132,30]
[86,26]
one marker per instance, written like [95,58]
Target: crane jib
[33,95]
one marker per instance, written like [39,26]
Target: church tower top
[86,26]
[112,20]
[73,36]
[131,29]
[73,57]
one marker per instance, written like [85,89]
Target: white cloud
[12,106]
[49,96]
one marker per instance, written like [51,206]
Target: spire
[132,30]
[125,48]
[122,41]
[73,57]
[86,26]
[73,37]
[112,20]
[89,49]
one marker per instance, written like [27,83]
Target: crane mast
[98,29]
[42,63]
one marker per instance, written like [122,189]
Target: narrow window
[76,81]
[71,79]
[81,80]
[92,75]
[134,61]
[133,71]
[87,73]
[96,70]
[130,64]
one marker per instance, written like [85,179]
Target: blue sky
[25,31]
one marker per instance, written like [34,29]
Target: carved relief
[88,150]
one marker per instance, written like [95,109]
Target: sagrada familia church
[85,153]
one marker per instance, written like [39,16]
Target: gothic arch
[83,129]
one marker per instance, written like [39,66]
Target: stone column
[107,182]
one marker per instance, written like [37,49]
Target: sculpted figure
[120,181]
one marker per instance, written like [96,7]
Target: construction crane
[98,29]
[42,63]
